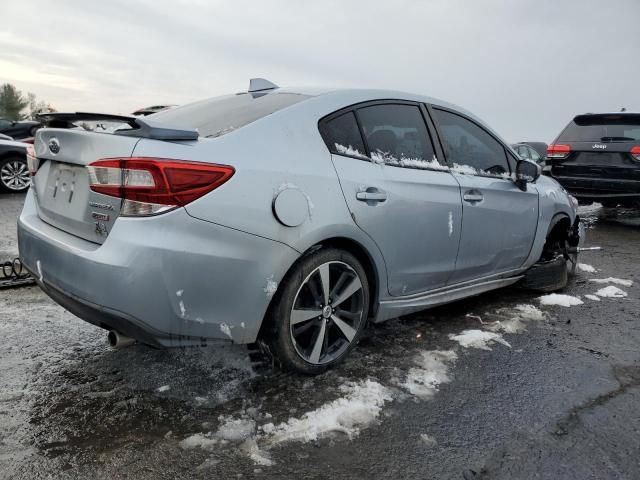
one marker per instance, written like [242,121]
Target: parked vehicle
[5,137]
[151,110]
[290,217]
[597,158]
[540,147]
[526,151]
[18,130]
[14,173]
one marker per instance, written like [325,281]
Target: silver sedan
[287,216]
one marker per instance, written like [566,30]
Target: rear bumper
[170,280]
[600,188]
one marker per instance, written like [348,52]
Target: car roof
[352,96]
[374,94]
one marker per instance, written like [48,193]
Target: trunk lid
[61,184]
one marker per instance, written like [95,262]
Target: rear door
[599,156]
[397,191]
[499,220]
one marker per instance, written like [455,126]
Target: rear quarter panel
[281,151]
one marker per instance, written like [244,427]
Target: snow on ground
[585,210]
[513,320]
[430,371]
[478,339]
[560,299]
[617,281]
[427,440]
[583,267]
[235,429]
[360,406]
[530,312]
[595,298]
[611,292]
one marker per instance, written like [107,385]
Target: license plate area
[67,191]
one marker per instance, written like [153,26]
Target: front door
[499,220]
[398,192]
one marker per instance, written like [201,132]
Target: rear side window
[397,135]
[216,116]
[469,148]
[342,136]
[602,128]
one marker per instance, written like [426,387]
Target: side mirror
[526,172]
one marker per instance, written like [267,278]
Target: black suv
[597,158]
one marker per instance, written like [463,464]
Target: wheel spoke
[349,290]
[344,276]
[302,315]
[353,316]
[324,281]
[346,329]
[318,344]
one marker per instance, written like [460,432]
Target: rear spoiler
[140,127]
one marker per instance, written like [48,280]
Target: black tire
[279,335]
[33,130]
[7,163]
[548,276]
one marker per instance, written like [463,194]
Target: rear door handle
[473,196]
[371,194]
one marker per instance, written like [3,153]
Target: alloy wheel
[327,313]
[15,175]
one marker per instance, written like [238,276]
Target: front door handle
[371,194]
[473,196]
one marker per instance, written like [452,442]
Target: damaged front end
[559,256]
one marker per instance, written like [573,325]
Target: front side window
[469,148]
[342,136]
[397,135]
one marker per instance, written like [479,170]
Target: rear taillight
[558,150]
[635,152]
[32,161]
[150,186]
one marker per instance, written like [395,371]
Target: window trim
[431,108]
[429,125]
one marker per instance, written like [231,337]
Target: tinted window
[467,145]
[4,123]
[216,116]
[397,135]
[602,128]
[342,136]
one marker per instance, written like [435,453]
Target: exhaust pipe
[118,340]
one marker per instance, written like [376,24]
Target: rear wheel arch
[342,243]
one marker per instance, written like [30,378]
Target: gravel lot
[498,386]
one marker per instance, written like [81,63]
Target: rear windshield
[602,128]
[216,116]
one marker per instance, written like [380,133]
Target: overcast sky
[525,67]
